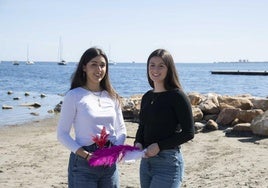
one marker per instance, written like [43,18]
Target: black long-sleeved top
[165,118]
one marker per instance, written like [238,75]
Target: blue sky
[192,30]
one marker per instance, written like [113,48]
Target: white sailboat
[28,62]
[62,61]
[110,61]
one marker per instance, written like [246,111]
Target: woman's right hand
[152,150]
[138,145]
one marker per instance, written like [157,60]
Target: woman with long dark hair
[166,122]
[90,106]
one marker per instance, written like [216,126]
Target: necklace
[155,96]
[97,94]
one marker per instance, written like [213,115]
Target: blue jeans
[81,175]
[163,170]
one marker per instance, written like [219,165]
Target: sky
[129,30]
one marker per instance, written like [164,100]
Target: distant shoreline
[129,62]
[241,62]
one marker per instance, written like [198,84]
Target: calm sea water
[127,78]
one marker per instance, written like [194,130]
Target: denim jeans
[165,170]
[81,175]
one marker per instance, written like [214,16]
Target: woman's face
[95,69]
[157,70]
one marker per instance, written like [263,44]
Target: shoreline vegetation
[31,156]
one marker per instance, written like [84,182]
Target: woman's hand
[138,145]
[152,150]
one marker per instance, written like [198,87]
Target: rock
[35,104]
[6,107]
[236,102]
[247,116]
[131,107]
[242,127]
[197,114]
[259,124]
[259,103]
[209,106]
[235,121]
[210,116]
[50,111]
[212,125]
[227,116]
[195,98]
[9,92]
[230,132]
[198,126]
[57,108]
[34,113]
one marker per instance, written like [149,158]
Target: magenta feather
[109,156]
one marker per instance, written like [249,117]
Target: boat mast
[60,50]
[27,52]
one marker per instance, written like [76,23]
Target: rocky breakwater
[241,115]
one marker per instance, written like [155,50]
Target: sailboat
[28,62]
[62,61]
[16,62]
[110,61]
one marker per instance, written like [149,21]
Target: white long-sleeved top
[81,110]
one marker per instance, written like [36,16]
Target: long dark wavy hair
[79,78]
[172,79]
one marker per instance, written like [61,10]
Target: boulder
[210,116]
[247,116]
[198,126]
[197,114]
[259,103]
[259,124]
[242,127]
[6,107]
[237,102]
[57,108]
[227,116]
[209,106]
[35,104]
[212,125]
[195,98]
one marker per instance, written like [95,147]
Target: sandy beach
[31,156]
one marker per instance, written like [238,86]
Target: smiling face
[157,70]
[95,71]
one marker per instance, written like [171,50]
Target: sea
[128,79]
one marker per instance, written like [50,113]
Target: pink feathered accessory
[109,156]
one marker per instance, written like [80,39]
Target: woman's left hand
[152,150]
